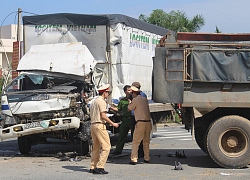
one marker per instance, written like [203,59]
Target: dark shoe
[99,171]
[132,163]
[145,161]
[91,171]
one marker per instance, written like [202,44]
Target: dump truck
[67,57]
[209,75]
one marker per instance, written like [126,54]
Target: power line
[5,19]
[29,13]
[14,18]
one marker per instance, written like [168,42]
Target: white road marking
[170,132]
[173,137]
[178,134]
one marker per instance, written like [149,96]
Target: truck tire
[228,141]
[200,138]
[24,145]
[84,148]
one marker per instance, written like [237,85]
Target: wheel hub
[232,141]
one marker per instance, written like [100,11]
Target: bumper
[58,124]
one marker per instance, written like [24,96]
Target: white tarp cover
[132,52]
[69,58]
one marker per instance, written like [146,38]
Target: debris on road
[178,166]
[69,156]
[179,155]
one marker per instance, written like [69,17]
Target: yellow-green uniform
[125,126]
[142,128]
[99,134]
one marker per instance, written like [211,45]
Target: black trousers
[140,150]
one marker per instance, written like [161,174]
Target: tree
[217,30]
[175,20]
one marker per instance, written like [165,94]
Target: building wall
[8,35]
[10,32]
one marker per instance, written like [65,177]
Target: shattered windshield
[36,79]
[33,81]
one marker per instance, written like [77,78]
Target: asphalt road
[42,162]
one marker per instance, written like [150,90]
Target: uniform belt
[97,123]
[143,120]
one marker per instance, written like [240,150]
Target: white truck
[67,56]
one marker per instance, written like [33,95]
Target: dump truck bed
[203,74]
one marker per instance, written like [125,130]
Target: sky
[230,16]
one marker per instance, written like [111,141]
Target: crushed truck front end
[29,107]
[39,105]
[49,98]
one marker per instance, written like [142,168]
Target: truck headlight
[18,128]
[9,120]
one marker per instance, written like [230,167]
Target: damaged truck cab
[50,102]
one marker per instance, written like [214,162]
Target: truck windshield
[33,81]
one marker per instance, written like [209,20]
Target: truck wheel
[84,148]
[199,134]
[228,141]
[24,144]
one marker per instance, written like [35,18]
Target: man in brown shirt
[140,151]
[143,125]
[100,137]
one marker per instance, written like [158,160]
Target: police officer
[140,151]
[143,125]
[126,124]
[100,137]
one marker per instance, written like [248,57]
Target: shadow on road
[77,168]
[194,158]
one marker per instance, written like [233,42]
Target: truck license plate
[32,125]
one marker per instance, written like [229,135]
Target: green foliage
[177,118]
[217,30]
[144,18]
[175,20]
[170,119]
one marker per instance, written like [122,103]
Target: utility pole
[17,48]
[19,24]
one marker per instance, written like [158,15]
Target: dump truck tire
[200,138]
[24,145]
[228,141]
